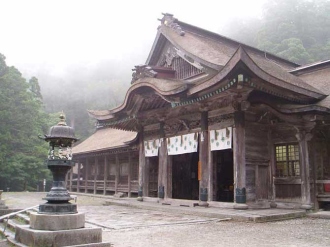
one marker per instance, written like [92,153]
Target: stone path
[129,226]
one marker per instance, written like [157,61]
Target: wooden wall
[257,161]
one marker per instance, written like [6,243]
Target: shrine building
[211,121]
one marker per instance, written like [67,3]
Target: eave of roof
[105,139]
[162,87]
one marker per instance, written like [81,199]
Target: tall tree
[22,118]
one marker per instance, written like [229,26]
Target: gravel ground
[137,227]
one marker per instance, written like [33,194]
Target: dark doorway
[224,183]
[185,184]
[153,176]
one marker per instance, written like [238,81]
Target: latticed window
[287,160]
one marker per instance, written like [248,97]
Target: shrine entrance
[224,175]
[185,184]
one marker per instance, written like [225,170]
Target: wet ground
[126,226]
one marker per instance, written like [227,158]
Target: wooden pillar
[86,174]
[95,173]
[203,159]
[146,177]
[211,176]
[78,176]
[70,179]
[117,174]
[129,177]
[162,162]
[105,175]
[142,164]
[272,171]
[303,138]
[162,170]
[168,178]
[239,159]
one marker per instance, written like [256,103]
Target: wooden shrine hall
[215,121]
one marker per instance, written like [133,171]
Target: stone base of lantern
[58,208]
[59,230]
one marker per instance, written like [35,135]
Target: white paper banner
[221,139]
[151,148]
[182,144]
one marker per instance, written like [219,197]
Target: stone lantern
[60,138]
[58,223]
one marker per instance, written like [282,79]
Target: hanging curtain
[221,139]
[182,144]
[151,148]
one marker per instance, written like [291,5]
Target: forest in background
[298,30]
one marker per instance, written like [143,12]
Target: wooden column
[105,175]
[303,137]
[96,162]
[86,174]
[272,171]
[239,159]
[117,174]
[78,176]
[146,177]
[162,170]
[168,178]
[129,177]
[211,176]
[142,164]
[70,179]
[162,166]
[203,159]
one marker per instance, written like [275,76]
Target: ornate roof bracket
[142,71]
[224,87]
[169,21]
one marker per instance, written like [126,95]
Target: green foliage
[22,119]
[298,30]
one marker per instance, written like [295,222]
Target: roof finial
[169,21]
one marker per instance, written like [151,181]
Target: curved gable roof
[265,69]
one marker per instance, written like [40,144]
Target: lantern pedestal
[58,197]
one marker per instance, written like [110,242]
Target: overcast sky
[54,34]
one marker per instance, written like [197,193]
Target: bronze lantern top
[61,134]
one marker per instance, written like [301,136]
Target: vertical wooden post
[272,171]
[168,178]
[303,138]
[146,178]
[117,174]
[78,177]
[211,175]
[239,160]
[105,175]
[70,179]
[86,174]
[204,158]
[129,177]
[96,163]
[142,164]
[162,162]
